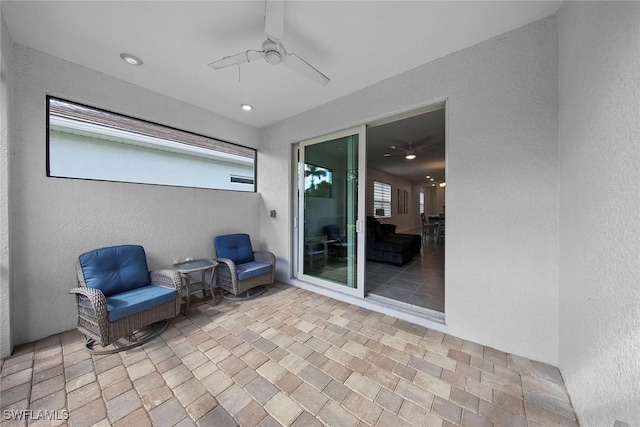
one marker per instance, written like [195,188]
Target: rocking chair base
[249,294]
[136,339]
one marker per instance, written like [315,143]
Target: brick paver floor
[289,357]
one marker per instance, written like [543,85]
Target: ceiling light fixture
[431,179]
[428,176]
[131,59]
[442,184]
[246,107]
[410,155]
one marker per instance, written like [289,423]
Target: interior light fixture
[246,107]
[131,59]
[431,179]
[442,184]
[428,176]
[410,155]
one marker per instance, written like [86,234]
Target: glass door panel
[329,211]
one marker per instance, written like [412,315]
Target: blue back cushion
[115,269]
[236,247]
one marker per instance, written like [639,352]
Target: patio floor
[290,357]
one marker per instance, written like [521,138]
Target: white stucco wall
[5,276]
[502,190]
[83,156]
[56,219]
[599,140]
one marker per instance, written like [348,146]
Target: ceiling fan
[273,50]
[410,152]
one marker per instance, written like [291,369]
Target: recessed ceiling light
[428,176]
[431,179]
[387,154]
[131,59]
[246,107]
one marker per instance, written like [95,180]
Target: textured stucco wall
[502,190]
[57,219]
[5,276]
[599,140]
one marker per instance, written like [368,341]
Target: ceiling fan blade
[425,147]
[240,58]
[301,66]
[274,19]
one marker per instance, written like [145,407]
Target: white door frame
[359,290]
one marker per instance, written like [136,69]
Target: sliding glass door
[330,215]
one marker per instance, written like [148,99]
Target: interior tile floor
[419,282]
[289,357]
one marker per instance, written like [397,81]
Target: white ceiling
[356,44]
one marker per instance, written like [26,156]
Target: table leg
[212,285]
[187,286]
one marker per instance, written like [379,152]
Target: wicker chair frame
[94,324]
[227,277]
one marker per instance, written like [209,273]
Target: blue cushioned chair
[118,298]
[242,272]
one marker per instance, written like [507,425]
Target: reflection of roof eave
[74,127]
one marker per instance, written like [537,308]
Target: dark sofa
[385,246]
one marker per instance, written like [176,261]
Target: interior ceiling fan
[410,151]
[273,50]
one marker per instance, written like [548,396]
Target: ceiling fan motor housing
[273,51]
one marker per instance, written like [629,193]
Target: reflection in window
[89,143]
[317,181]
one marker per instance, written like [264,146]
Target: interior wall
[599,131]
[6,338]
[57,219]
[403,222]
[502,250]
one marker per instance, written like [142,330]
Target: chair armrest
[233,269]
[94,296]
[93,320]
[265,256]
[166,278]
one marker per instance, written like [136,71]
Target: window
[88,143]
[382,197]
[317,181]
[421,202]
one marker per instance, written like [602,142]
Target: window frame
[144,122]
[383,203]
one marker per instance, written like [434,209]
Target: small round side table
[187,268]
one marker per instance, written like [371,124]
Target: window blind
[382,197]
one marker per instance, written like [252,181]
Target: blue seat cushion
[236,247]
[115,269]
[137,300]
[252,269]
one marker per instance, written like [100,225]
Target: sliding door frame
[298,217]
